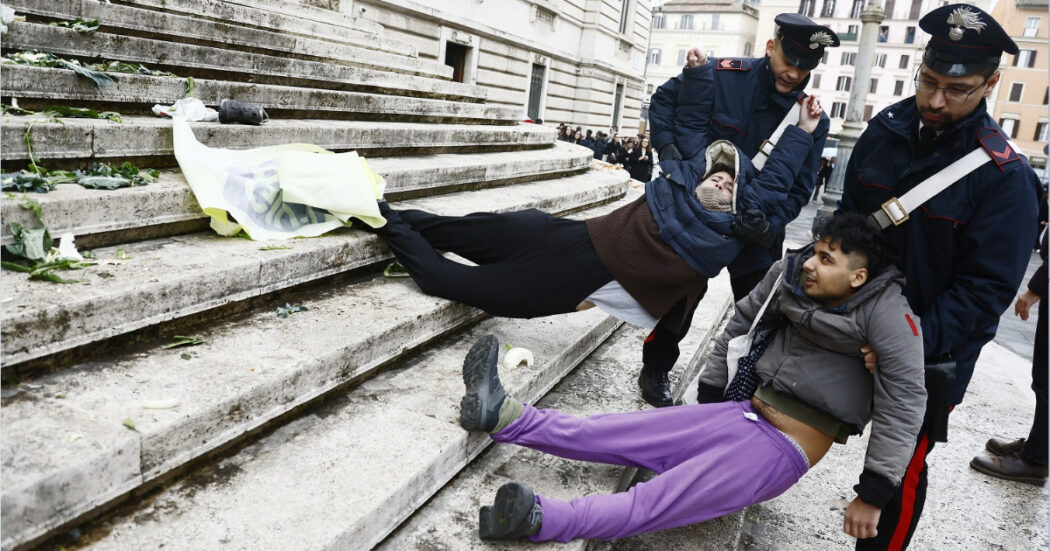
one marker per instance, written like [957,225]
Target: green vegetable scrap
[121,254]
[34,58]
[275,248]
[182,340]
[34,251]
[130,68]
[79,25]
[185,356]
[130,424]
[395,269]
[24,180]
[97,176]
[288,309]
[81,113]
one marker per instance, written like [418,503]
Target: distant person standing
[823,175]
[599,145]
[641,167]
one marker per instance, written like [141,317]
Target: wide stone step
[176,277]
[103,217]
[344,474]
[212,62]
[131,21]
[606,382]
[138,137]
[40,87]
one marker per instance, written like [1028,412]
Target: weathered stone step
[138,137]
[129,20]
[168,206]
[176,277]
[606,382]
[211,62]
[344,474]
[39,87]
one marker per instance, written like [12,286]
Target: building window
[909,35]
[816,81]
[805,7]
[884,33]
[824,58]
[1009,127]
[852,31]
[898,87]
[890,4]
[686,22]
[858,6]
[1041,133]
[617,105]
[916,7]
[1025,58]
[1016,89]
[747,49]
[625,12]
[1046,95]
[1031,26]
[838,110]
[681,57]
[904,62]
[873,86]
[829,9]
[715,26]
[880,60]
[539,74]
[849,58]
[654,56]
[456,57]
[843,83]
[867,112]
[658,21]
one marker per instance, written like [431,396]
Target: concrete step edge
[121,19]
[86,212]
[136,94]
[605,382]
[138,137]
[173,278]
[205,61]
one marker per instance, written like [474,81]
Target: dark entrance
[456,57]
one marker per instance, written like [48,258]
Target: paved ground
[1014,334]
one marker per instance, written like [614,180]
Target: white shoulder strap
[766,149]
[897,211]
[762,310]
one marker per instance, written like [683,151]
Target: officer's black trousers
[1035,448]
[530,264]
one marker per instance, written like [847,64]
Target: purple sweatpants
[712,459]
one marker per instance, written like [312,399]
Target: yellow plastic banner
[277,192]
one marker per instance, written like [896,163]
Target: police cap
[802,40]
[964,40]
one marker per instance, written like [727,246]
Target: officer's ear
[770,46]
[990,85]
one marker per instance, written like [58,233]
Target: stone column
[871,17]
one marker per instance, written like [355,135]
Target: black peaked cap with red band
[964,39]
[803,41]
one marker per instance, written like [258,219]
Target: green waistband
[805,413]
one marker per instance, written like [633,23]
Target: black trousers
[660,349]
[1035,448]
[529,264]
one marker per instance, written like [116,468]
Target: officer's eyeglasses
[950,94]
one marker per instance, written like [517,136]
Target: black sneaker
[513,516]
[656,389]
[479,408]
[232,111]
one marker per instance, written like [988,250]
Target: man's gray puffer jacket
[815,358]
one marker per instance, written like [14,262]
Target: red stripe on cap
[911,323]
[908,486]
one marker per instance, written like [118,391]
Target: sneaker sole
[504,519]
[477,378]
[990,472]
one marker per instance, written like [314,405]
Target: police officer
[962,252]
[751,98]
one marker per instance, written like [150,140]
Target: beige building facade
[719,28]
[1021,98]
[579,62]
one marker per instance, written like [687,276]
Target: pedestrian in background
[641,165]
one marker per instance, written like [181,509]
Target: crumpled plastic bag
[7,15]
[278,192]
[191,109]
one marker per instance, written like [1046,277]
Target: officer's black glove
[669,152]
[751,225]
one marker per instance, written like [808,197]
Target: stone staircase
[325,429]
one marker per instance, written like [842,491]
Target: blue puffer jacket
[747,108]
[965,251]
[703,238]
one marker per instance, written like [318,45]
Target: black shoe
[998,446]
[656,389]
[513,516]
[1009,468]
[479,408]
[232,111]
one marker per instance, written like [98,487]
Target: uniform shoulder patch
[998,148]
[732,64]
